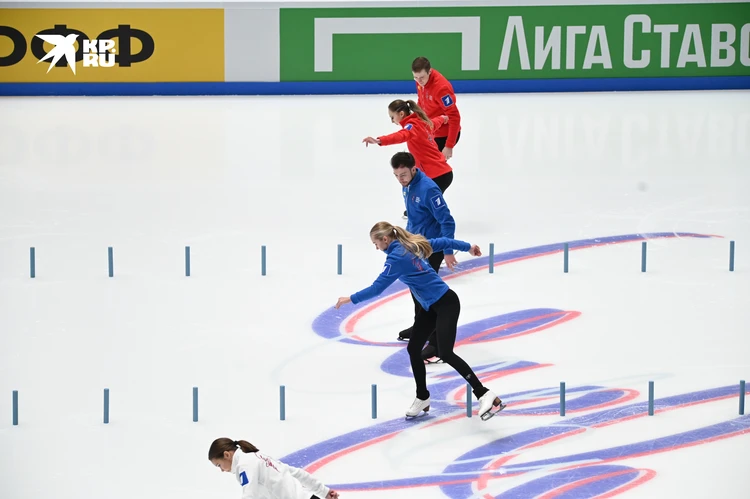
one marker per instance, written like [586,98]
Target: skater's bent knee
[447,357]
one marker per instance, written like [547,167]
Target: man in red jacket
[436,97]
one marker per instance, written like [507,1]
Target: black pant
[442,317]
[444,181]
[440,141]
[434,260]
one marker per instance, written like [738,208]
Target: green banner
[490,43]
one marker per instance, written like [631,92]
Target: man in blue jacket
[428,216]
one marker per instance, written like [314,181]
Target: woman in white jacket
[262,477]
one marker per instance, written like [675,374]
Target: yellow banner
[111,45]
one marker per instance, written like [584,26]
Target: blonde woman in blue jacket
[438,307]
[262,477]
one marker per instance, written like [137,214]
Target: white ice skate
[487,403]
[417,407]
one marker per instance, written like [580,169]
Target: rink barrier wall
[372,87]
[331,47]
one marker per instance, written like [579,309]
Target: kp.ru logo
[96,53]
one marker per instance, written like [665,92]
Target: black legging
[442,317]
[435,260]
[444,181]
[440,141]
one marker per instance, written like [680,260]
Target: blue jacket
[428,214]
[424,283]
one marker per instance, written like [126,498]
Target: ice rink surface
[226,175]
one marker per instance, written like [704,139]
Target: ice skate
[405,216]
[405,334]
[417,407]
[430,355]
[489,405]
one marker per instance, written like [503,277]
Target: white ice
[225,175]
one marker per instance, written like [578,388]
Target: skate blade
[498,406]
[421,414]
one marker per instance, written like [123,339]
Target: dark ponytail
[246,446]
[222,445]
[409,106]
[420,112]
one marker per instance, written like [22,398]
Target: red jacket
[437,98]
[419,139]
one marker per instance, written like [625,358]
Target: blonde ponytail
[413,243]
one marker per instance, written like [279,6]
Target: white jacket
[262,477]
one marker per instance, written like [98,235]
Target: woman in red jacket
[417,131]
